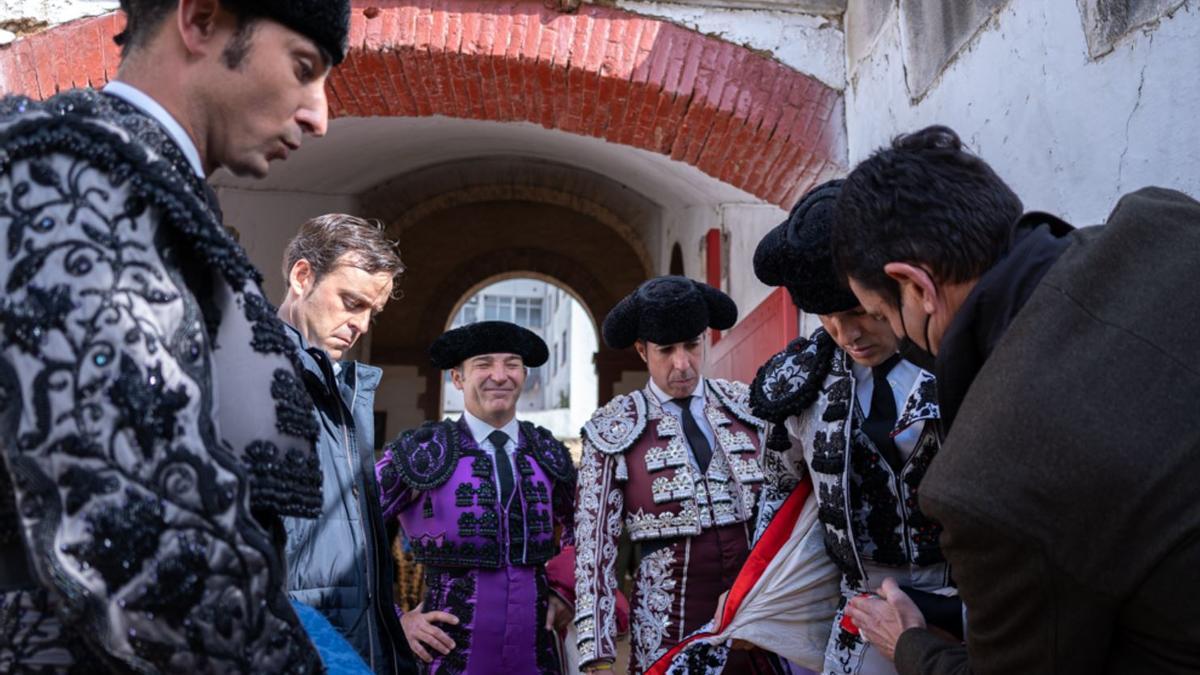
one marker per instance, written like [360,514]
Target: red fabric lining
[773,539]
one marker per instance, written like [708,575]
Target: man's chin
[497,406]
[681,390]
[257,169]
[867,358]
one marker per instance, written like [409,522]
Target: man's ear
[197,22]
[916,286]
[301,278]
[640,346]
[456,377]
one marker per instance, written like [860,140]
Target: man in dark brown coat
[1068,369]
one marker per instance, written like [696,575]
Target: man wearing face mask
[479,501]
[1066,481]
[676,466]
[340,271]
[850,413]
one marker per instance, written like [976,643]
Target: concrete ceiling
[360,153]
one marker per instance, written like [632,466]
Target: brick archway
[736,115]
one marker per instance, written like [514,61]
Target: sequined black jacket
[154,426]
[869,511]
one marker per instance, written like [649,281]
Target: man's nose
[680,361]
[313,117]
[359,323]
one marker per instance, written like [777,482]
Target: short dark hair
[324,240]
[143,18]
[924,201]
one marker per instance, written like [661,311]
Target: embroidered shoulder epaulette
[84,123]
[789,381]
[549,453]
[425,457]
[735,397]
[615,427]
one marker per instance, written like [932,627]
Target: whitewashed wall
[1068,132]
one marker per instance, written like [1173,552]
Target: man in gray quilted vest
[340,270]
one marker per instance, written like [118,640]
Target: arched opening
[561,394]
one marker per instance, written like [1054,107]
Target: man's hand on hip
[421,632]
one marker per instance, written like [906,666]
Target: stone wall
[1070,130]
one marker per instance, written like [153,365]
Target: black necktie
[882,418]
[695,438]
[504,471]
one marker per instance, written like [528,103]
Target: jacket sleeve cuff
[917,648]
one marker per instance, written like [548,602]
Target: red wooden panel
[765,330]
[712,265]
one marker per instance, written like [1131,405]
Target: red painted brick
[413,82]
[373,38]
[458,83]
[662,134]
[8,77]
[424,30]
[572,35]
[513,82]
[473,34]
[792,154]
[604,72]
[334,84]
[438,30]
[531,48]
[739,158]
[93,50]
[407,22]
[405,105]
[42,56]
[358,29]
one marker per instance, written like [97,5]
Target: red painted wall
[762,333]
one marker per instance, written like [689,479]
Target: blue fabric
[337,654]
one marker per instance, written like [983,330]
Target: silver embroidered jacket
[155,428]
[638,475]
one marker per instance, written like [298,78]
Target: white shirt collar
[480,429]
[664,397]
[140,99]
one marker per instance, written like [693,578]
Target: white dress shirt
[902,378]
[141,100]
[480,431]
[697,407]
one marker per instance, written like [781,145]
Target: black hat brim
[488,337]
[666,310]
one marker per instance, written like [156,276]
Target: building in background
[561,394]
